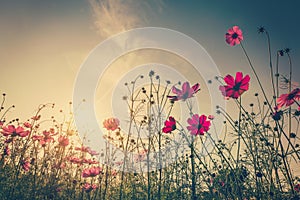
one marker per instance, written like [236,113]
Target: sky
[43,44]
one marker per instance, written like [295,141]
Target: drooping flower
[111,124]
[11,130]
[235,87]
[170,125]
[288,99]
[91,172]
[234,36]
[185,93]
[63,141]
[198,124]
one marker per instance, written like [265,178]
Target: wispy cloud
[115,16]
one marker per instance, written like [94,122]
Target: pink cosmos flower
[235,87]
[87,149]
[11,130]
[111,124]
[185,93]
[93,152]
[91,172]
[170,125]
[234,36]
[25,165]
[89,161]
[288,99]
[80,161]
[114,173]
[198,124]
[75,160]
[211,117]
[63,141]
[82,149]
[27,124]
[89,187]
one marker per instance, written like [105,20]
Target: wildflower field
[253,157]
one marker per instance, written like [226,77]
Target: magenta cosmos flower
[288,99]
[111,124]
[234,36]
[185,93]
[170,125]
[13,131]
[198,124]
[235,87]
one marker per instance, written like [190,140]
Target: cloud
[115,16]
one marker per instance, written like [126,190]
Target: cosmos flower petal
[185,87]
[229,80]
[176,90]
[238,77]
[245,80]
[196,87]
